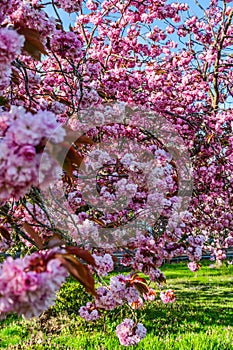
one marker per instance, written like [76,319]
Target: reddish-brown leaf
[74,157]
[209,137]
[5,233]
[136,304]
[71,135]
[99,222]
[102,93]
[160,71]
[54,241]
[66,155]
[84,140]
[139,283]
[141,287]
[114,258]
[78,271]
[34,235]
[32,44]
[72,161]
[63,100]
[162,280]
[15,77]
[136,278]
[81,253]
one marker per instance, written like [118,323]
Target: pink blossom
[212,266]
[5,7]
[121,290]
[92,5]
[28,152]
[104,264]
[67,45]
[150,295]
[168,296]
[130,333]
[170,29]
[176,18]
[69,5]
[137,304]
[193,266]
[89,312]
[27,287]
[25,15]
[19,155]
[10,45]
[105,299]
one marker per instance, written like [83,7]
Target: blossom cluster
[10,47]
[67,45]
[28,285]
[149,54]
[130,333]
[168,296]
[69,5]
[104,264]
[118,293]
[89,312]
[193,266]
[20,150]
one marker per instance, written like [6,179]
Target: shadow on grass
[194,311]
[180,318]
[203,300]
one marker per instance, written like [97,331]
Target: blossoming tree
[116,135]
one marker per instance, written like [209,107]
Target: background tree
[154,55]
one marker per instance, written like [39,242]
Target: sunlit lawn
[201,318]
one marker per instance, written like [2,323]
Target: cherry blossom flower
[193,266]
[104,264]
[20,159]
[168,296]
[28,285]
[130,333]
[89,312]
[10,45]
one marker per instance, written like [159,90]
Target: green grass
[200,319]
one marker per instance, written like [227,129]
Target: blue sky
[194,10]
[70,18]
